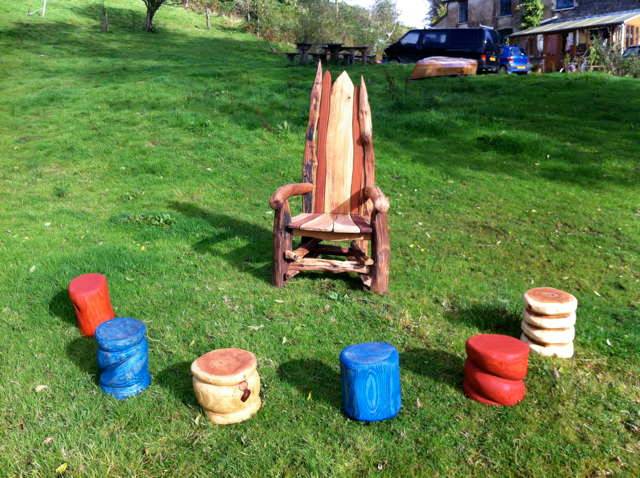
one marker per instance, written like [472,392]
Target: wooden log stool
[123,357]
[227,385]
[89,294]
[370,376]
[495,369]
[548,322]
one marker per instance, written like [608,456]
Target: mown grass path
[150,158]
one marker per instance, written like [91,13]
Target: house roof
[591,21]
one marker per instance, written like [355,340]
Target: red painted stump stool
[495,369]
[89,294]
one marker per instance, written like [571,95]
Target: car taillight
[483,57]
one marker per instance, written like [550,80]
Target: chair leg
[381,251]
[281,243]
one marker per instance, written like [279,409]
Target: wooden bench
[292,57]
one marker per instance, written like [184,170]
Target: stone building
[567,29]
[505,15]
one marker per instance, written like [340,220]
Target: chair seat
[338,223]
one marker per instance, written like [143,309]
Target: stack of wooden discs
[495,369]
[548,324]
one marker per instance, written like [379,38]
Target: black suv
[481,44]
[632,52]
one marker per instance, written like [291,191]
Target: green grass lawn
[151,157]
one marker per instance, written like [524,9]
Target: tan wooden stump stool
[227,385]
[549,319]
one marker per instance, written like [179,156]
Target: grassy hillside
[151,157]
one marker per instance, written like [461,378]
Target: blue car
[513,60]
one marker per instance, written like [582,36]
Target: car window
[491,37]
[522,52]
[410,38]
[465,39]
[433,39]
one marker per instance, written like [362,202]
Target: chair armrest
[283,193]
[380,201]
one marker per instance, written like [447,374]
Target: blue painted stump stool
[123,357]
[370,381]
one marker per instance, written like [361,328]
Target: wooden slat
[301,219]
[323,124]
[340,147]
[362,224]
[357,254]
[328,265]
[331,236]
[303,250]
[367,136]
[357,181]
[322,223]
[310,164]
[343,223]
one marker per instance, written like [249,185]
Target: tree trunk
[148,24]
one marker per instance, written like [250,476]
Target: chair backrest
[339,158]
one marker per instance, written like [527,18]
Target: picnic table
[333,50]
[352,50]
[303,49]
[330,52]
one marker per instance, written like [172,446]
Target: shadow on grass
[60,306]
[326,281]
[438,365]
[254,257]
[488,318]
[82,351]
[177,380]
[311,376]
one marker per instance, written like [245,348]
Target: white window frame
[562,9]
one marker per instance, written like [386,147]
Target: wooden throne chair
[340,201]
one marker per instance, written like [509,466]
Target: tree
[532,13]
[437,10]
[384,21]
[385,17]
[152,8]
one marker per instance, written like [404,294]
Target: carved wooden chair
[340,201]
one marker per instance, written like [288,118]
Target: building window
[505,7]
[562,4]
[463,12]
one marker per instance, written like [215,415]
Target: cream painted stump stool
[227,385]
